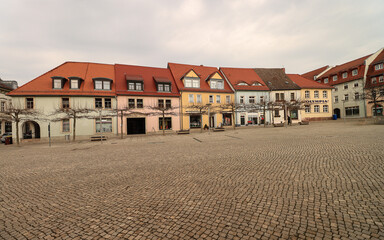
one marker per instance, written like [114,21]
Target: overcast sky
[38,35]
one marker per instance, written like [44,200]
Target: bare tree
[74,113]
[373,94]
[126,111]
[162,110]
[232,107]
[199,108]
[17,114]
[293,105]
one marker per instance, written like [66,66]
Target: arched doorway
[336,111]
[379,110]
[31,129]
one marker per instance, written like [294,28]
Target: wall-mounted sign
[316,101]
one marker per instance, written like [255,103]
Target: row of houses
[358,85]
[83,99]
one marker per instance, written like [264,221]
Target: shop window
[167,123]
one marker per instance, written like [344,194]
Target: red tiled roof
[375,73]
[244,75]
[346,67]
[149,75]
[180,70]
[42,85]
[313,73]
[306,83]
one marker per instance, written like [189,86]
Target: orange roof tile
[149,75]
[311,75]
[306,83]
[180,70]
[244,75]
[42,85]
[338,70]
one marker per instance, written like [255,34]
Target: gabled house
[250,92]
[203,93]
[315,73]
[348,82]
[143,92]
[283,92]
[374,85]
[317,98]
[72,85]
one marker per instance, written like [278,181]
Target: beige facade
[317,104]
[62,129]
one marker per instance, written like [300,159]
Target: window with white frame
[64,102]
[218,99]
[251,99]
[307,108]
[325,94]
[65,125]
[336,99]
[334,78]
[345,74]
[190,98]
[292,96]
[325,108]
[356,84]
[135,85]
[74,84]
[354,72]
[139,103]
[346,97]
[316,94]
[163,87]
[210,98]
[325,80]
[29,103]
[98,85]
[57,83]
[98,103]
[107,102]
[105,125]
[198,98]
[261,99]
[373,80]
[316,108]
[131,103]
[191,82]
[217,84]
[241,99]
[2,108]
[307,94]
[379,66]
[346,86]
[352,111]
[357,96]
[381,78]
[227,99]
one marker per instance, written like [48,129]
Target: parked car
[2,139]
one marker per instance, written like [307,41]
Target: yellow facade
[318,105]
[195,112]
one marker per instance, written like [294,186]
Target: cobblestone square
[320,181]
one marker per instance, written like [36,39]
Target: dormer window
[256,84]
[75,82]
[334,78]
[354,72]
[217,84]
[58,82]
[242,84]
[325,80]
[379,66]
[345,74]
[102,83]
[135,83]
[191,82]
[162,84]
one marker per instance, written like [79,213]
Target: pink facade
[142,94]
[152,117]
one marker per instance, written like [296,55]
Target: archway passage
[31,129]
[336,111]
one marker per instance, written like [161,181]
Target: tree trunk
[265,117]
[121,124]
[17,132]
[163,125]
[74,126]
[286,115]
[201,121]
[233,118]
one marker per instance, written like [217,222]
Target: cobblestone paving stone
[321,181]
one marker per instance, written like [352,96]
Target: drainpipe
[117,117]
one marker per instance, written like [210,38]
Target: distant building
[5,87]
